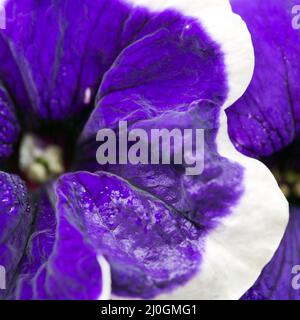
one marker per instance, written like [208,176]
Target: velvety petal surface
[14,72]
[16,215]
[62,49]
[267,116]
[173,61]
[9,127]
[280,280]
[194,196]
[150,247]
[58,264]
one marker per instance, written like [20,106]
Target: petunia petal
[267,117]
[146,100]
[16,215]
[58,263]
[280,278]
[9,127]
[177,58]
[63,49]
[149,246]
[194,196]
[14,72]
[154,251]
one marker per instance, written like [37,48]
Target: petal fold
[9,126]
[16,215]
[58,263]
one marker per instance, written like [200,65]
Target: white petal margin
[225,28]
[245,241]
[187,7]
[106,278]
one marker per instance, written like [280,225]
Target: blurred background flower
[265,124]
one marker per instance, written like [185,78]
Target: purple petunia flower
[268,114]
[69,68]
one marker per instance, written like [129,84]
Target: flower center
[40,161]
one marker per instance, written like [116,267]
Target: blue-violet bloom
[71,67]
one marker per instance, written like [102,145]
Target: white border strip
[106,278]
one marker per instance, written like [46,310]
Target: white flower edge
[106,278]
[225,28]
[245,241]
